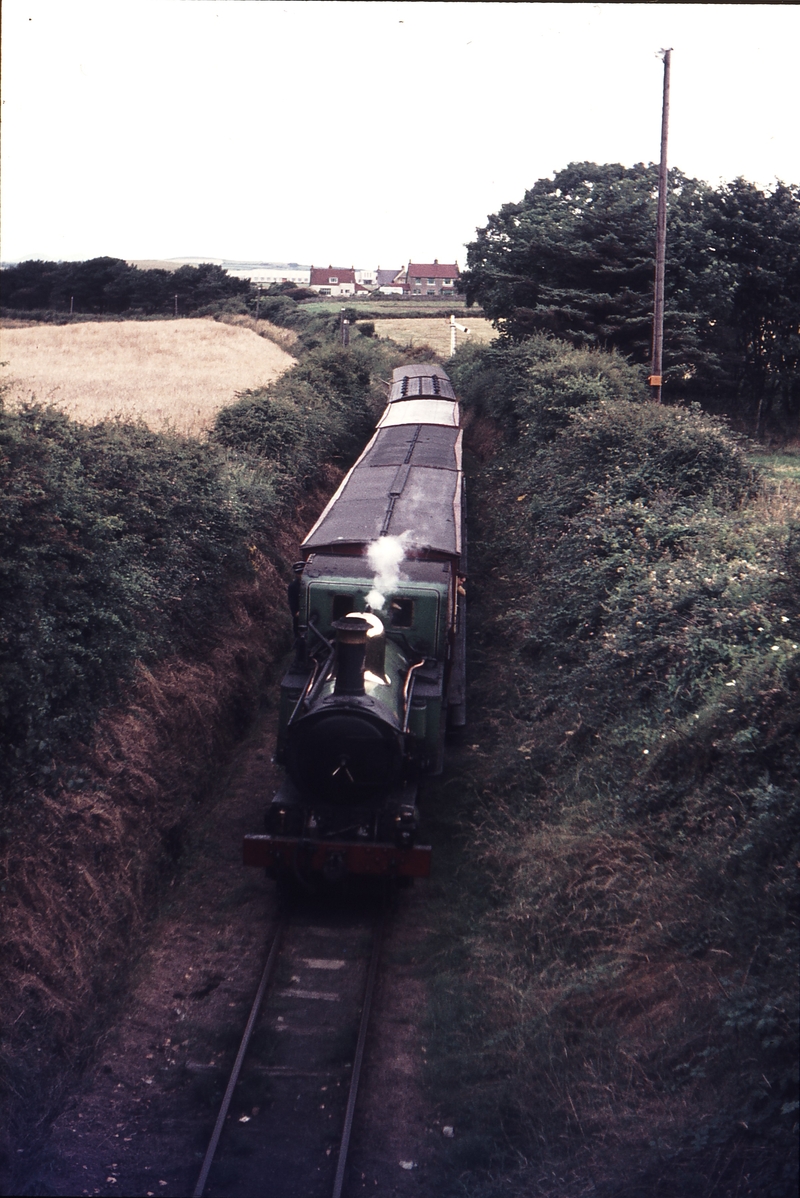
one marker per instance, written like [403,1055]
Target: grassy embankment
[615,980]
[142,599]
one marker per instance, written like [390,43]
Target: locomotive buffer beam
[381,860]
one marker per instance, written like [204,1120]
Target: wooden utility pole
[661,244]
[176,306]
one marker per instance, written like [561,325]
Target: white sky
[360,133]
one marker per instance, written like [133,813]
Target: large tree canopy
[575,257]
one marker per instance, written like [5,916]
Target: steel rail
[237,1066]
[366,1008]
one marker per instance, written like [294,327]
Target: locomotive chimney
[351,650]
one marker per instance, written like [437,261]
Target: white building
[264,274]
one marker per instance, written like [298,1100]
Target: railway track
[284,1124]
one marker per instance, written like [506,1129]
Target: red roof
[435,270]
[321,276]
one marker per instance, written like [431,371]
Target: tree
[760,236]
[575,258]
[111,285]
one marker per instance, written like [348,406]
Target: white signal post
[453,326]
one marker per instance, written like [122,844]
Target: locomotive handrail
[316,674]
[407,691]
[312,679]
[328,644]
[314,684]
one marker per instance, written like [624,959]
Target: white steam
[385,556]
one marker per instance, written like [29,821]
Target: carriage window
[401,613]
[342,606]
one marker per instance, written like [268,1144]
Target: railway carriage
[378,675]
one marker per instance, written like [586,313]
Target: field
[387,307]
[173,373]
[781,467]
[433,331]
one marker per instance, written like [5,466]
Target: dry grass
[285,338]
[434,331]
[176,373]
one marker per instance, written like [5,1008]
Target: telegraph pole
[661,244]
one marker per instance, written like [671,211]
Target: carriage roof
[428,379]
[407,480]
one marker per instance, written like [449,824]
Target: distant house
[334,280]
[264,274]
[386,282]
[430,278]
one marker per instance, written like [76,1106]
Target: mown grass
[433,331]
[615,986]
[388,308]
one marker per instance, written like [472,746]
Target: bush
[626,967]
[323,410]
[117,545]
[542,380]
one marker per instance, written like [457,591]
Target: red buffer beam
[381,860]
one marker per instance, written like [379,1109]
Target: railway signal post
[453,326]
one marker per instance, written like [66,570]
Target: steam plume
[385,556]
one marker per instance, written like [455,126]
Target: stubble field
[166,373]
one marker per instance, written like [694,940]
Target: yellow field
[177,373]
[434,331]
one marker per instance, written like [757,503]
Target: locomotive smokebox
[351,651]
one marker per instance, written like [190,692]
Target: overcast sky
[360,133]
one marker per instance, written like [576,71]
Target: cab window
[401,613]
[342,606]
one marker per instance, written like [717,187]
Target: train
[377,681]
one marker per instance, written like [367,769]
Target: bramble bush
[321,411]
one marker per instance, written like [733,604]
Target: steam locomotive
[378,676]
